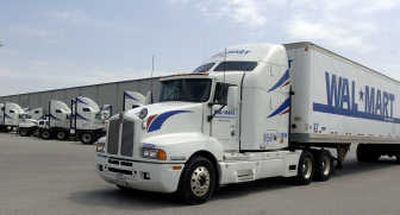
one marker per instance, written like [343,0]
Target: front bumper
[157,177]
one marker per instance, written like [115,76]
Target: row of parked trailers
[82,119]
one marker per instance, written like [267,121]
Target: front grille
[123,144]
[113,136]
[127,138]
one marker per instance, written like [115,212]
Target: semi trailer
[88,119]
[251,112]
[10,113]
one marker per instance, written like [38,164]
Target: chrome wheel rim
[326,165]
[307,168]
[200,181]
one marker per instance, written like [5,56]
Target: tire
[87,138]
[305,169]
[61,135]
[365,155]
[198,181]
[323,165]
[24,132]
[45,134]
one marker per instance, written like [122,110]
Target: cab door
[224,122]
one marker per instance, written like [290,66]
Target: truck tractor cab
[227,122]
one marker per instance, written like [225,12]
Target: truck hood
[169,117]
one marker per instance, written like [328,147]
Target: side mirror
[232,99]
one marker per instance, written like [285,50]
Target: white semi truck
[10,113]
[88,119]
[28,121]
[253,112]
[57,121]
[132,99]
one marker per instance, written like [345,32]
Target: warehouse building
[106,93]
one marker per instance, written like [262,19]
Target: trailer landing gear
[342,151]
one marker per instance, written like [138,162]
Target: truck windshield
[236,66]
[190,90]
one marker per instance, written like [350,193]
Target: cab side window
[86,109]
[221,93]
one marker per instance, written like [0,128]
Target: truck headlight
[154,153]
[100,146]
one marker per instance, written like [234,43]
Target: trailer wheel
[323,165]
[23,132]
[61,135]
[198,181]
[87,138]
[305,170]
[45,134]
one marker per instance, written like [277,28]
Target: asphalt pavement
[54,177]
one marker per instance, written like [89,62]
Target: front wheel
[305,169]
[198,181]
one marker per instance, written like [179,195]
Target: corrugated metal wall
[107,93]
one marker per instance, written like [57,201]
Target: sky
[51,44]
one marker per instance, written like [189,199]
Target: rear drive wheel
[23,132]
[45,134]
[305,170]
[198,181]
[87,138]
[323,165]
[61,135]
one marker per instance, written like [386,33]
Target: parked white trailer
[57,121]
[87,119]
[10,116]
[28,122]
[132,99]
[252,112]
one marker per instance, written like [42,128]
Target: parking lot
[54,177]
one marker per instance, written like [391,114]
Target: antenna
[225,53]
[151,77]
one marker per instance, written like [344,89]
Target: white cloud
[341,23]
[244,12]
[73,16]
